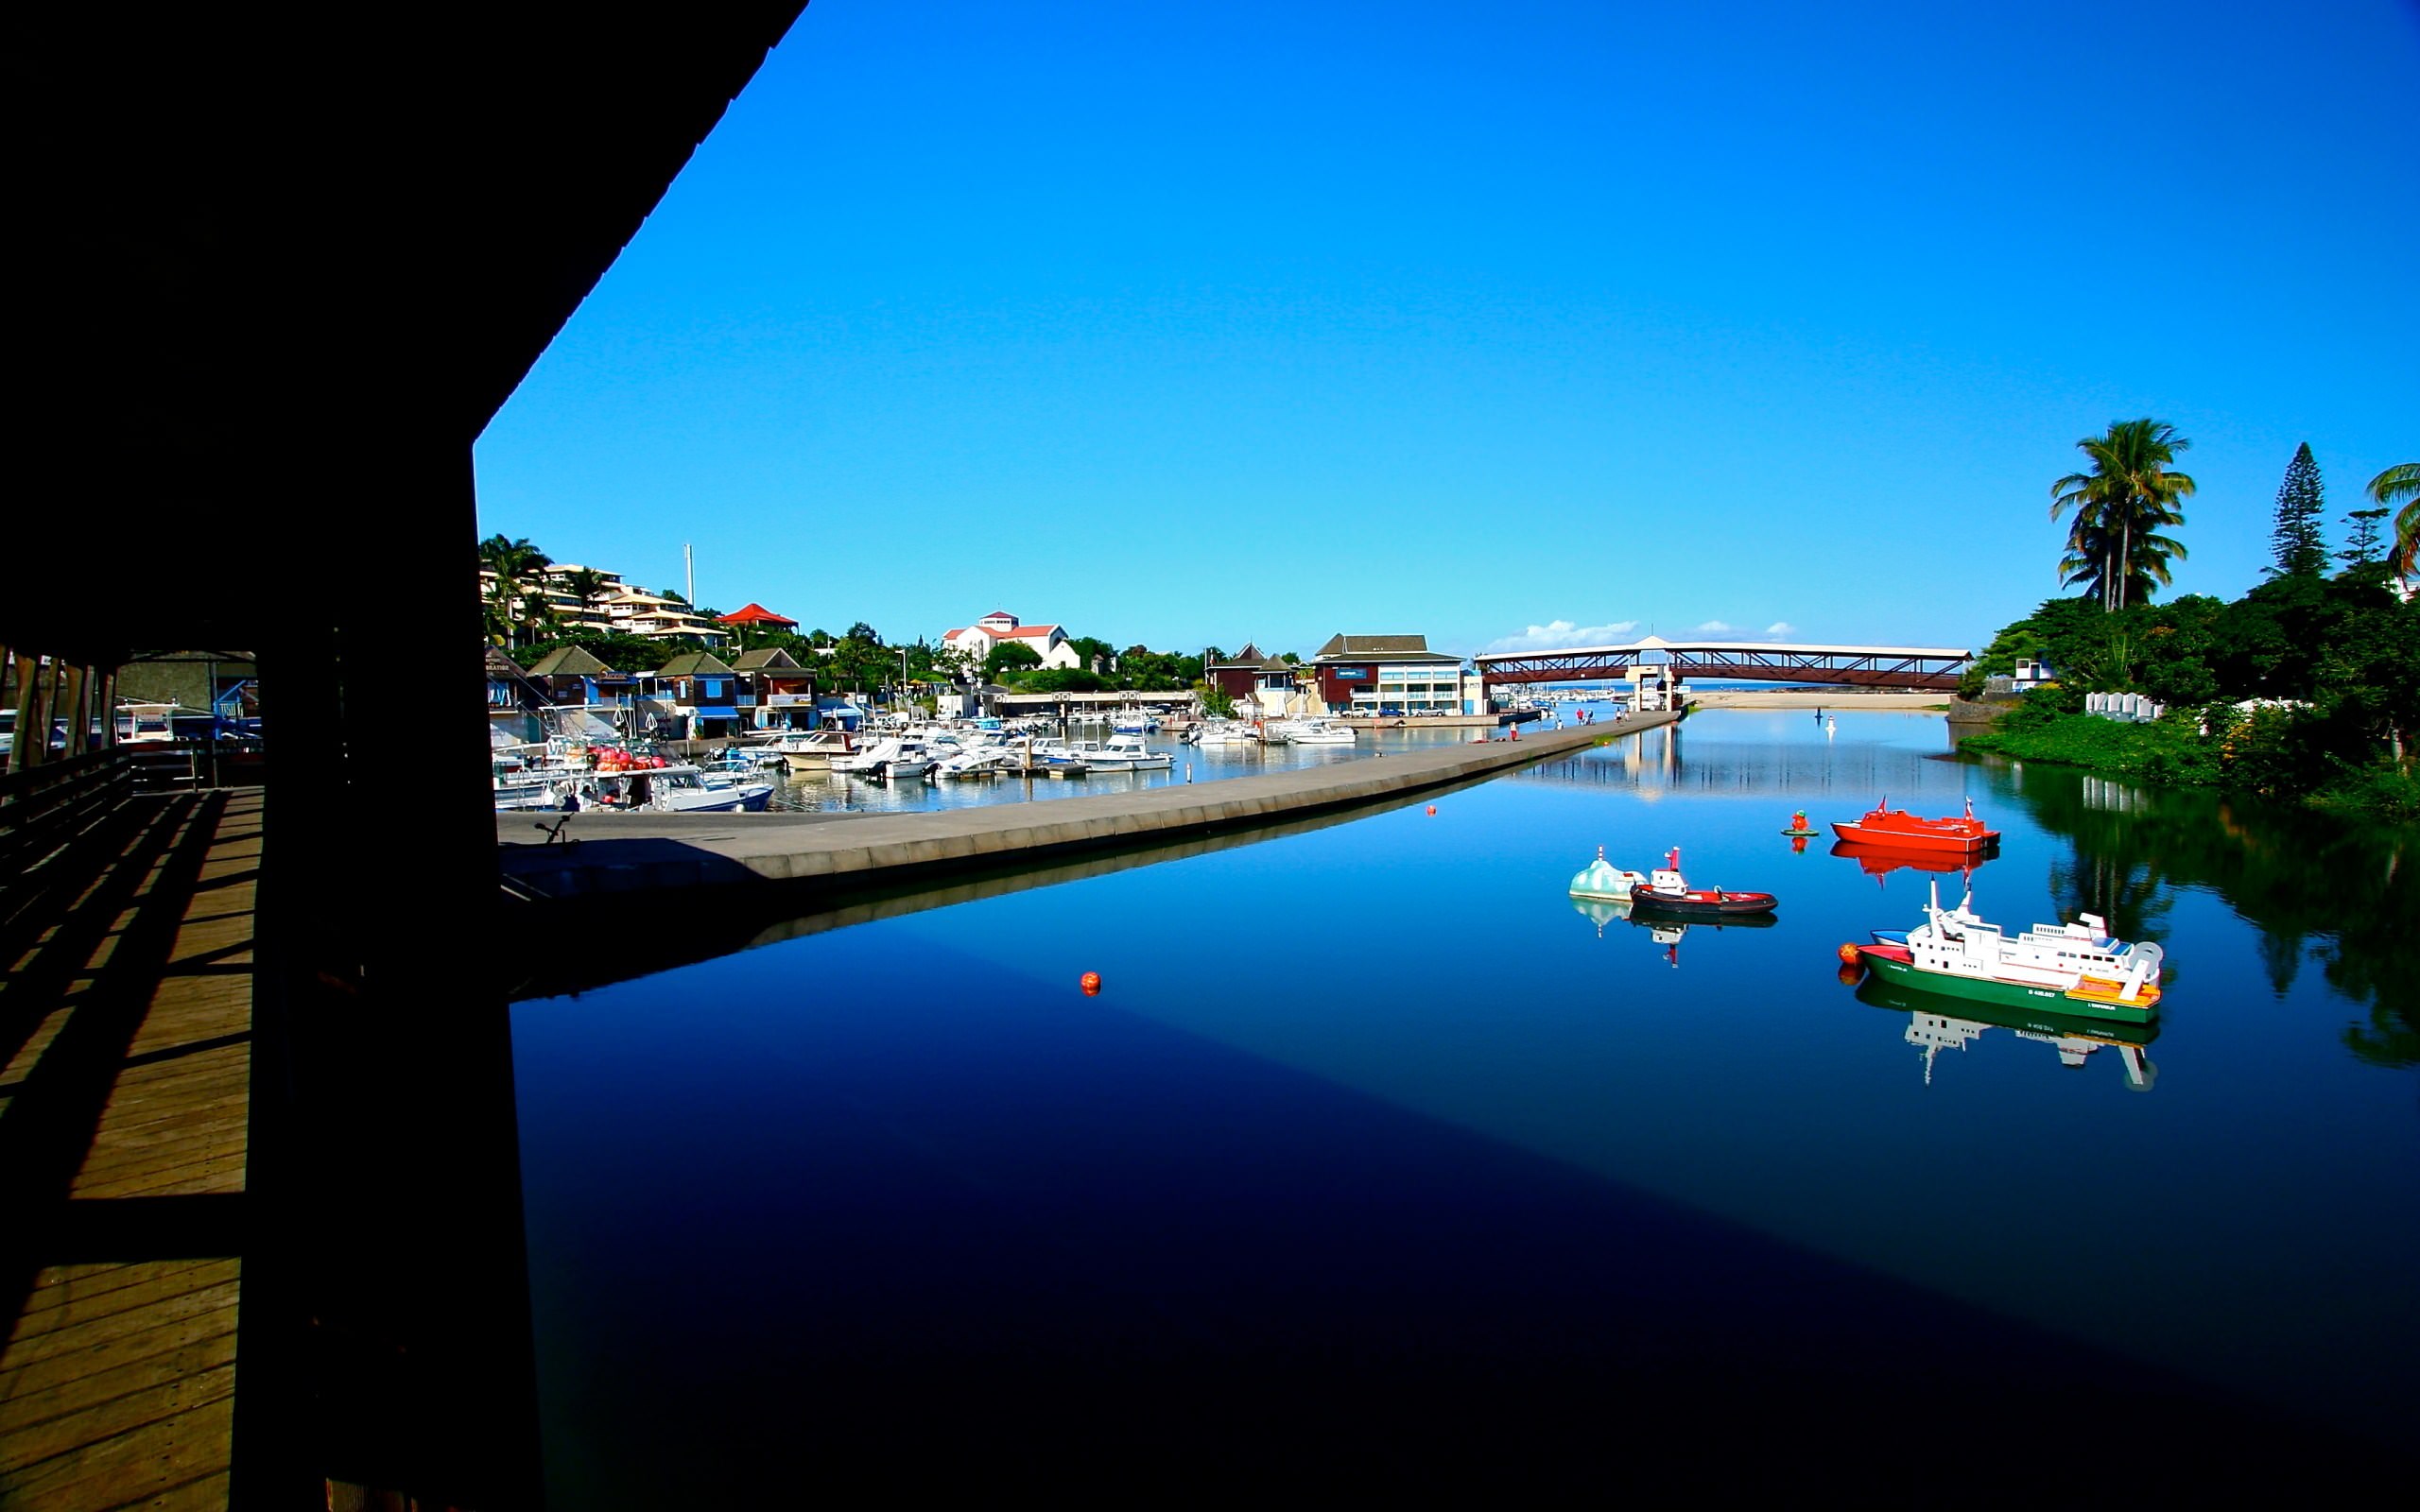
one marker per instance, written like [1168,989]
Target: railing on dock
[43,807]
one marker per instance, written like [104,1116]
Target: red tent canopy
[757,614]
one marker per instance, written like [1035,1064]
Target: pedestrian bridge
[1857,666]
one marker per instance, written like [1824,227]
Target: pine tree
[2301,549]
[2362,550]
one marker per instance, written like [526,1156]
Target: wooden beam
[74,703]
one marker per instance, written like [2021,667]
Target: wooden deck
[125,1030]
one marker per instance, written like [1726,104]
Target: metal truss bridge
[1857,666]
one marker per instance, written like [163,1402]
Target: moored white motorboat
[1122,753]
[1315,732]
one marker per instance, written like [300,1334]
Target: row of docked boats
[932,753]
[577,777]
[1270,732]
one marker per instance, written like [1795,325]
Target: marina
[1258,1141]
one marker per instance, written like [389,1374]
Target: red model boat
[1668,893]
[1886,828]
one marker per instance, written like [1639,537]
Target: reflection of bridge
[1861,666]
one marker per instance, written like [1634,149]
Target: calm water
[1374,1109]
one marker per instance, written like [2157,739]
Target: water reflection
[1877,861]
[1936,1024]
[2314,886]
[1667,933]
[909,1162]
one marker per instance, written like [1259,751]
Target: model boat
[1898,830]
[1667,892]
[2076,969]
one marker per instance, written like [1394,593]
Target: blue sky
[1194,324]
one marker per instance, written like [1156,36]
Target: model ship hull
[1954,837]
[1702,904]
[2087,1000]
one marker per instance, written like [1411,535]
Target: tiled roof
[1403,647]
[694,665]
[569,661]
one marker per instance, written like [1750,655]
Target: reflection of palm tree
[2400,484]
[2120,507]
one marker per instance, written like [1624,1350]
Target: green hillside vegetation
[2340,653]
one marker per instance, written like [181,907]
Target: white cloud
[1781,627]
[1713,628]
[1558,634]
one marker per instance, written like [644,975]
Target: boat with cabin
[1666,891]
[2077,968]
[1897,828]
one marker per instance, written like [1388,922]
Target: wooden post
[74,702]
[31,742]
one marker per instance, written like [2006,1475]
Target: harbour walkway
[124,1095]
[629,854]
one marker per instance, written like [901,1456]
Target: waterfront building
[703,693]
[570,674]
[1000,628]
[780,692]
[1262,686]
[1389,675]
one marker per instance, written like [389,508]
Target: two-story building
[703,693]
[1262,686]
[1388,676]
[775,691]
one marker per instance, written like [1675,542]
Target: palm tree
[515,599]
[2401,484]
[2120,506]
[587,585]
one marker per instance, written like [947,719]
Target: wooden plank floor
[118,1382]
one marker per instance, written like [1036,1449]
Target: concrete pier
[627,854]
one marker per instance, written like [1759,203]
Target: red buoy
[1090,982]
[1432,811]
[1849,953]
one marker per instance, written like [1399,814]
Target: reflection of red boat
[1898,830]
[1879,859]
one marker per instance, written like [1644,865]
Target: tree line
[521,617]
[2326,647]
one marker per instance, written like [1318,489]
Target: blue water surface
[1325,1067]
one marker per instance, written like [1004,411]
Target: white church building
[1000,628]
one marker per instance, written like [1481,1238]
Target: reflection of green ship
[1938,1021]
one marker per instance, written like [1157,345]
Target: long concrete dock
[624,854]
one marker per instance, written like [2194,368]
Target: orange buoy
[1849,953]
[1090,982]
[1432,811]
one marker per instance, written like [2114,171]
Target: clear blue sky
[1181,324]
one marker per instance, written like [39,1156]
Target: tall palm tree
[515,599]
[2400,484]
[2120,507]
[587,585]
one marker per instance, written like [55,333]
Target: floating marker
[1090,982]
